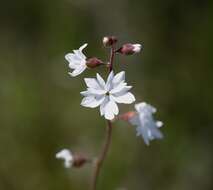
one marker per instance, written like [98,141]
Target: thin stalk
[111,59]
[100,160]
[105,149]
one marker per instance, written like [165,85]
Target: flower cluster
[108,94]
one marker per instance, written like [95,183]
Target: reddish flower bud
[93,62]
[129,49]
[127,116]
[79,160]
[109,40]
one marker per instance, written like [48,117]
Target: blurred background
[40,110]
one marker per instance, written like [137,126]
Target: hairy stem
[100,160]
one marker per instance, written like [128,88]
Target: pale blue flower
[145,124]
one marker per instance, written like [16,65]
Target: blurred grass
[40,111]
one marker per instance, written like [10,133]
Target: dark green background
[40,110]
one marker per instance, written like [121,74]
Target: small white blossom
[137,48]
[77,61]
[107,95]
[147,127]
[67,156]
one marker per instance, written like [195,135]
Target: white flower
[67,156]
[107,95]
[77,61]
[147,127]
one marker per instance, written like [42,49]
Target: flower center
[107,93]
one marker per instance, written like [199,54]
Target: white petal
[159,124]
[101,81]
[135,120]
[145,133]
[109,108]
[96,91]
[71,57]
[109,81]
[92,101]
[119,77]
[140,106]
[102,106]
[127,98]
[92,83]
[79,54]
[144,107]
[113,106]
[118,88]
[65,155]
[85,93]
[78,70]
[83,46]
[122,91]
[137,48]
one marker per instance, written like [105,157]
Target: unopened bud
[109,40]
[93,62]
[72,160]
[127,116]
[129,49]
[79,160]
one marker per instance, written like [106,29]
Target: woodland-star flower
[77,61]
[107,95]
[147,127]
[67,156]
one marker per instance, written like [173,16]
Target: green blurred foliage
[39,102]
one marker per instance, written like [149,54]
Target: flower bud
[127,116]
[109,40]
[93,62]
[129,49]
[79,160]
[72,160]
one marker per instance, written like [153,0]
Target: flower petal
[101,81]
[83,46]
[102,106]
[109,108]
[79,54]
[127,98]
[118,88]
[143,106]
[92,83]
[118,78]
[96,91]
[135,120]
[109,81]
[92,101]
[78,70]
[71,57]
[85,93]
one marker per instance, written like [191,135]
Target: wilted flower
[107,95]
[129,49]
[67,156]
[77,61]
[147,127]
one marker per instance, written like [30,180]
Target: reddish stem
[101,158]
[111,59]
